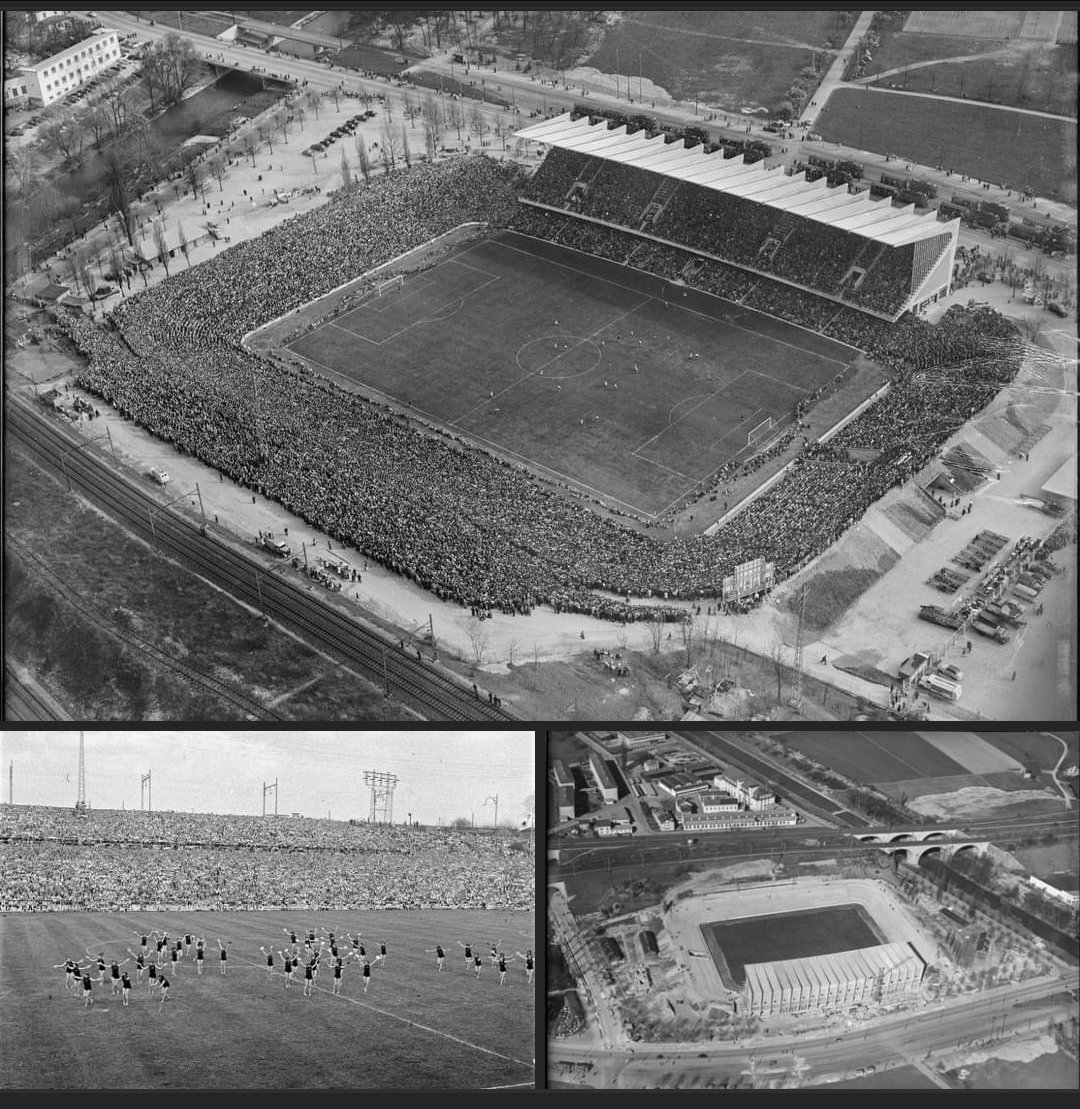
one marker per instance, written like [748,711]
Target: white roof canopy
[857,213]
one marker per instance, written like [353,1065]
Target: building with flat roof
[713,801]
[1062,887]
[563,782]
[681,785]
[51,80]
[820,983]
[605,782]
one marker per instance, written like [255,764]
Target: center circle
[559,356]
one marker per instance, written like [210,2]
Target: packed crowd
[733,227]
[56,859]
[217,303]
[463,524]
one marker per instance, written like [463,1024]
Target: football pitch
[414,1028]
[796,935]
[591,373]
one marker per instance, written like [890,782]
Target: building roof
[1066,881]
[1062,482]
[858,213]
[600,769]
[560,775]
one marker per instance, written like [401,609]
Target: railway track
[22,702]
[435,695]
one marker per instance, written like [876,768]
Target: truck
[275,546]
[912,667]
[1006,612]
[940,686]
[1025,593]
[935,614]
[989,631]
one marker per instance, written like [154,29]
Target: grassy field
[767,939]
[415,1028]
[1032,748]
[897,756]
[1039,76]
[535,357]
[1009,148]
[727,58]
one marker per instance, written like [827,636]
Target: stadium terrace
[836,243]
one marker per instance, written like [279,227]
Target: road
[431,690]
[834,78]
[647,849]
[530,94]
[787,784]
[940,1029]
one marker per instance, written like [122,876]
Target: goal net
[755,433]
[389,285]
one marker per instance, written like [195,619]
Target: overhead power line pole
[146,792]
[266,790]
[382,786]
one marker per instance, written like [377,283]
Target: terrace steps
[659,202]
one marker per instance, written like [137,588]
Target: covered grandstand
[844,246]
[837,981]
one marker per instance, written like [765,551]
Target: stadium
[801,946]
[534,415]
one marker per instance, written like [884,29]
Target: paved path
[834,78]
[1065,792]
[959,100]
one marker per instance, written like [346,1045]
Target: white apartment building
[55,77]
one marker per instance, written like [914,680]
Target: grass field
[897,756]
[768,939]
[414,1029]
[992,144]
[728,58]
[1027,74]
[1039,750]
[532,350]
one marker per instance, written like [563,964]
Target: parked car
[159,475]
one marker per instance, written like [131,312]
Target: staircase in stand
[776,237]
[860,267]
[659,202]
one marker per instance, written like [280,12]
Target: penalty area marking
[406,1020]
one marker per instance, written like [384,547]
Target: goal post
[389,285]
[761,429]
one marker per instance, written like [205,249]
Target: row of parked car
[347,128]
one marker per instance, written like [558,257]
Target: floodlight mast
[381,810]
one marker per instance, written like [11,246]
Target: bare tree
[406,152]
[160,242]
[389,146]
[656,633]
[431,116]
[346,172]
[364,160]
[478,639]
[456,117]
[312,99]
[266,133]
[182,242]
[216,165]
[251,146]
[117,180]
[477,122]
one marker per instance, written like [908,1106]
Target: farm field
[577,368]
[415,1027]
[727,58]
[791,935]
[1014,149]
[891,757]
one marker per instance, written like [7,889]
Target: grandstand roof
[858,213]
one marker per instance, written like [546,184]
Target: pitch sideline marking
[406,1020]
